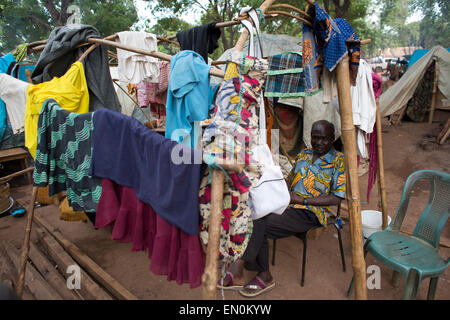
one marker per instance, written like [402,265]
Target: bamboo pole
[26,244]
[291,16]
[433,99]
[210,275]
[349,139]
[288,6]
[381,182]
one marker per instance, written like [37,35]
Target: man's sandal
[256,287]
[230,284]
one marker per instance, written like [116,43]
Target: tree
[31,20]
[434,27]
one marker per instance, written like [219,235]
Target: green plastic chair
[415,257]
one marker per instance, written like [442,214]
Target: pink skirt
[172,252]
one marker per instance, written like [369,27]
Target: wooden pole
[433,99]
[210,275]
[26,244]
[349,139]
[381,182]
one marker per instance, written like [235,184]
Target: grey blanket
[59,54]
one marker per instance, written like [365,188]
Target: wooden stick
[210,276]
[35,283]
[445,132]
[104,278]
[349,139]
[288,6]
[156,54]
[89,50]
[16,174]
[89,289]
[433,99]
[381,182]
[291,15]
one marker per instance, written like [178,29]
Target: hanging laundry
[128,153]
[285,77]
[61,52]
[327,43]
[64,154]
[70,91]
[187,97]
[233,130]
[377,84]
[5,63]
[14,94]
[152,92]
[202,39]
[171,251]
[135,67]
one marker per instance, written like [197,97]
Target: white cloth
[329,85]
[135,67]
[364,106]
[125,101]
[14,93]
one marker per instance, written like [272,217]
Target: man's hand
[328,200]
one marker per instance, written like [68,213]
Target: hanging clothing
[229,136]
[135,67]
[70,91]
[312,59]
[61,52]
[285,77]
[14,94]
[5,63]
[323,177]
[377,84]
[187,97]
[63,156]
[152,92]
[171,251]
[202,39]
[130,154]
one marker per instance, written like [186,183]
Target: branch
[45,24]
[200,5]
[54,13]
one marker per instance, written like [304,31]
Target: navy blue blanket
[132,155]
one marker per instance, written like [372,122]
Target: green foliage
[30,20]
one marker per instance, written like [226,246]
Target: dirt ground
[407,148]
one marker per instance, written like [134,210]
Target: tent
[397,96]
[418,54]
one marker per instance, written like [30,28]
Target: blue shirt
[187,96]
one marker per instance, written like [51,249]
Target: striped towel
[63,156]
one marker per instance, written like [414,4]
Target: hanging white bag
[270,194]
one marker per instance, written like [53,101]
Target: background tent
[417,55]
[401,92]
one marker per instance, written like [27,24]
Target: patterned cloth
[63,156]
[285,78]
[149,92]
[327,43]
[229,136]
[323,177]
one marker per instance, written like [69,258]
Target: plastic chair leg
[304,261]
[432,288]
[341,248]
[396,278]
[411,285]
[273,251]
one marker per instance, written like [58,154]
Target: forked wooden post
[210,275]
[349,139]
[381,182]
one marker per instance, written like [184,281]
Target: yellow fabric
[67,213]
[70,91]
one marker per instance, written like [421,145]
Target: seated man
[316,182]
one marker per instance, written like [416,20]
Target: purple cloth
[172,252]
[377,84]
[132,155]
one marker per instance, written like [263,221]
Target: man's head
[322,137]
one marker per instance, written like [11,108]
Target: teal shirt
[187,96]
